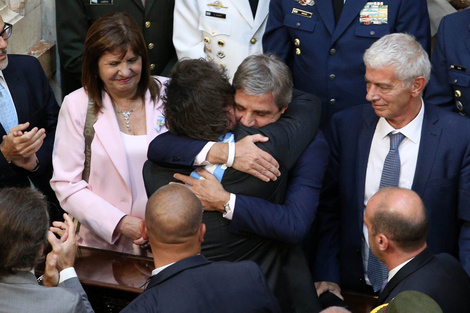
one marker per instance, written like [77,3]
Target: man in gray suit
[24,224]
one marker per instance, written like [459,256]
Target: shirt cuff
[202,156]
[67,273]
[228,215]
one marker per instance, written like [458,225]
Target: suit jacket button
[332,77]
[151,45]
[332,101]
[332,51]
[297,25]
[152,67]
[297,42]
[372,33]
[253,41]
[297,51]
[459,105]
[457,93]
[148,24]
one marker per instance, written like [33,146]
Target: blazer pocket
[301,23]
[458,78]
[214,26]
[372,31]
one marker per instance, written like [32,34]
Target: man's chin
[4,63]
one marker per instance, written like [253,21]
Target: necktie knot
[395,140]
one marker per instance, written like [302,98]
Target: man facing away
[397,221]
[24,224]
[184,280]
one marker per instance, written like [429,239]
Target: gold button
[221,54]
[222,65]
[147,24]
[209,58]
[207,40]
[208,48]
[151,45]
[297,51]
[221,43]
[152,67]
[457,94]
[253,41]
[459,106]
[213,32]
[297,42]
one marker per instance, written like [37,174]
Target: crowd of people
[287,151]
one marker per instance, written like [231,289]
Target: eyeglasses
[6,32]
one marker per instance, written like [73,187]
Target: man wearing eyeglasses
[28,118]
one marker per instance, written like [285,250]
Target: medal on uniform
[101,2]
[306,2]
[217,5]
[374,13]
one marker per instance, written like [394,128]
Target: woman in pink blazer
[127,100]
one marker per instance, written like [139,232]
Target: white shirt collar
[395,270]
[410,130]
[161,268]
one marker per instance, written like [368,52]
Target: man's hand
[248,158]
[20,147]
[66,247]
[324,286]
[209,190]
[129,226]
[51,273]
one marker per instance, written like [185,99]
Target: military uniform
[224,31]
[74,17]
[326,58]
[449,86]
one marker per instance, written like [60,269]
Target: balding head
[173,215]
[399,214]
[335,309]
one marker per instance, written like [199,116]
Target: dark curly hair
[196,100]
[24,222]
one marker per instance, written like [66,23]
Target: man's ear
[382,242]
[201,232]
[284,108]
[143,230]
[418,85]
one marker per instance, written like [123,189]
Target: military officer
[323,42]
[449,86]
[74,17]
[224,31]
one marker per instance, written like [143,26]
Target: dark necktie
[337,8]
[254,6]
[376,270]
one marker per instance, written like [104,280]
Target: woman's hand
[129,227]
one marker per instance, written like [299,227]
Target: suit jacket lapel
[245,10]
[350,11]
[466,37]
[419,261]
[148,5]
[261,14]
[176,268]
[428,147]
[366,134]
[108,132]
[325,10]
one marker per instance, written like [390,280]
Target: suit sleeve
[464,212]
[328,216]
[81,303]
[438,91]
[187,38]
[276,38]
[76,196]
[288,222]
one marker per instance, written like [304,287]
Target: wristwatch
[227,207]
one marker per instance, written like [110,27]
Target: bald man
[397,222]
[184,280]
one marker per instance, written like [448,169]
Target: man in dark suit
[27,136]
[434,161]
[74,17]
[449,86]
[397,222]
[24,225]
[323,43]
[259,236]
[184,280]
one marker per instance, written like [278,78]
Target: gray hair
[260,73]
[404,53]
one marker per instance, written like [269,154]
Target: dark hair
[115,31]
[407,234]
[24,222]
[196,100]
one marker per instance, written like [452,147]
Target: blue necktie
[376,270]
[8,117]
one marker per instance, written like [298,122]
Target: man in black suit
[397,221]
[184,280]
[26,139]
